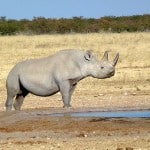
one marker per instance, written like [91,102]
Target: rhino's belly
[43,92]
[39,86]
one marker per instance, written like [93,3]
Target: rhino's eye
[102,67]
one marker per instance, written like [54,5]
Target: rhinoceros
[56,73]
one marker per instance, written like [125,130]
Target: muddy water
[109,114]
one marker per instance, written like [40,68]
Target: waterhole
[108,114]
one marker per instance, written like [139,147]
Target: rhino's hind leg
[11,93]
[9,102]
[13,88]
[19,100]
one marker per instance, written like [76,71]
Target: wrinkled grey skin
[59,72]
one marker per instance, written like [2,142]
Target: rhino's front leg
[66,90]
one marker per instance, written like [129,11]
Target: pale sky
[27,9]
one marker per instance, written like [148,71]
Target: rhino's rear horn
[105,57]
[116,59]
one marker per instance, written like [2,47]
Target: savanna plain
[129,89]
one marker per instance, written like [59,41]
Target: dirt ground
[36,129]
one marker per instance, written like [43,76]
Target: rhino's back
[74,55]
[67,55]
[64,62]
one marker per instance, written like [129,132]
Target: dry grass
[133,69]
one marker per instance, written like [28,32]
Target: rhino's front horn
[105,57]
[116,59]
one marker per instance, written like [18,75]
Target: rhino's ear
[116,59]
[88,55]
[105,57]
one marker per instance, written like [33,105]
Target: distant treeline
[41,25]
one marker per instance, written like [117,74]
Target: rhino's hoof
[17,107]
[67,106]
[8,108]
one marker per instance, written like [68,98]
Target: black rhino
[59,72]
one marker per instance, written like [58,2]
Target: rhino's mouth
[111,74]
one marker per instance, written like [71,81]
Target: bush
[41,25]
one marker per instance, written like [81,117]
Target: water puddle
[108,114]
